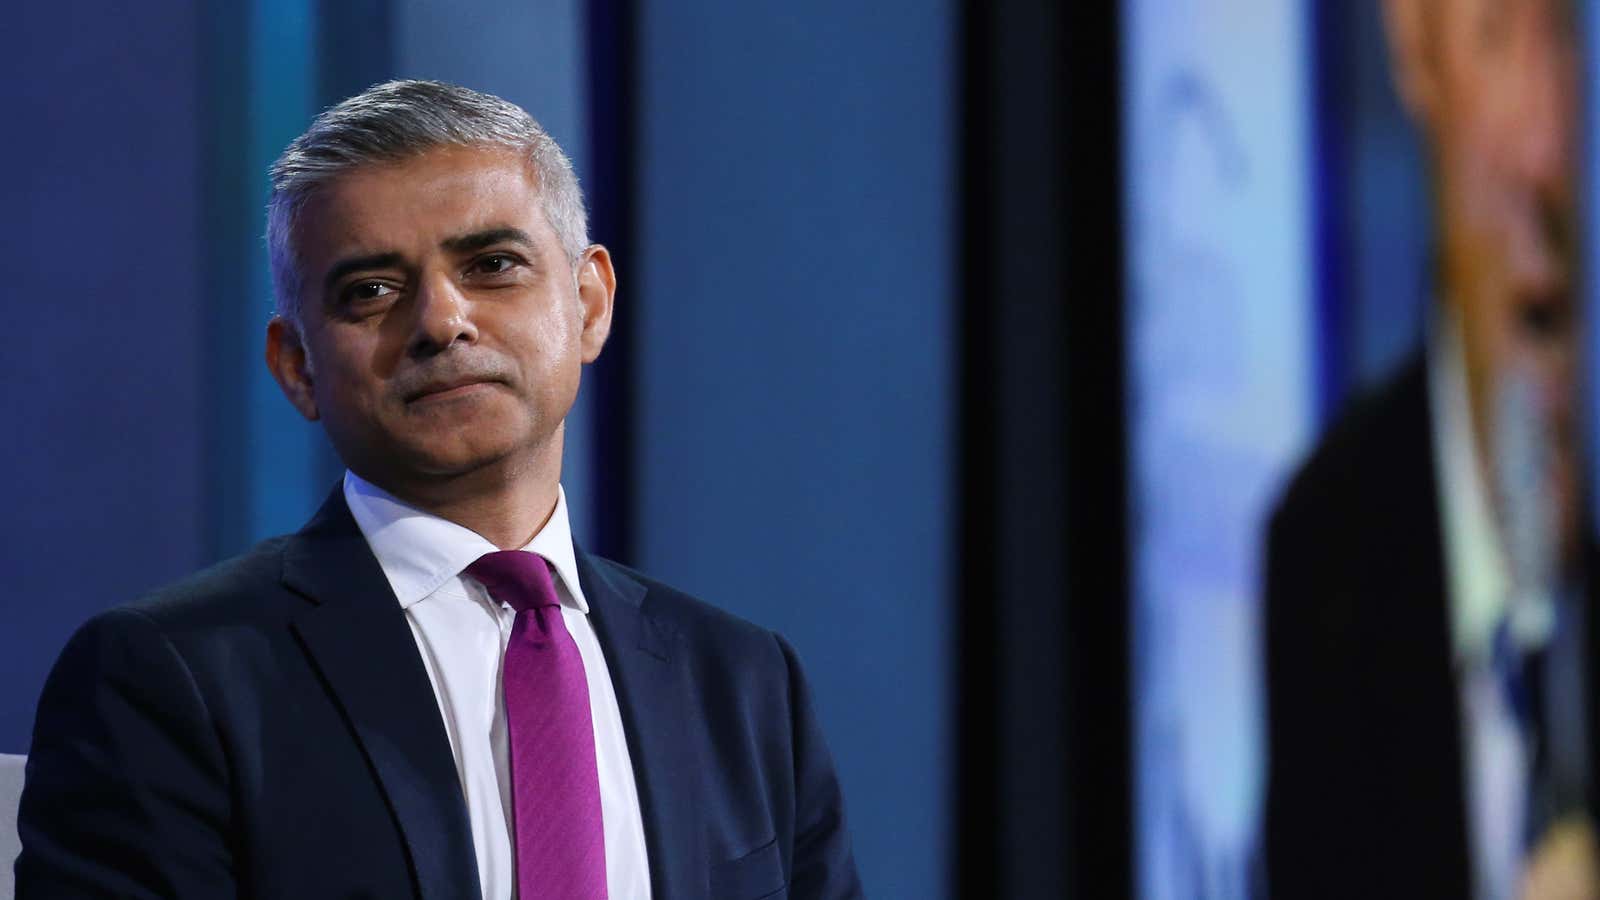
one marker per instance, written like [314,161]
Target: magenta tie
[555,786]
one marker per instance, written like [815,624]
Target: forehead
[408,207]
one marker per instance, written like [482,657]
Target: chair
[10,795]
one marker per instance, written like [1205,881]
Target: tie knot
[516,578]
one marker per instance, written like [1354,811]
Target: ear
[287,361]
[597,288]
[1414,56]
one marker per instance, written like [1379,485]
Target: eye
[369,290]
[363,298]
[494,264]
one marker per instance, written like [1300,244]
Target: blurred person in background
[430,691]
[1429,631]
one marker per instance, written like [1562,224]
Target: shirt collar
[1479,580]
[421,552]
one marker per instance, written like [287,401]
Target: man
[429,691]
[1431,701]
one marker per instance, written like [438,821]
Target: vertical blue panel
[1222,399]
[102,467]
[282,450]
[794,292]
[267,466]
[533,55]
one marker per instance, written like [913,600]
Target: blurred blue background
[777,184]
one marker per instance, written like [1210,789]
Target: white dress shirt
[461,634]
[1480,586]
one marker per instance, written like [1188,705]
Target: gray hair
[399,120]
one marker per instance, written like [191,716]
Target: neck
[507,502]
[508,517]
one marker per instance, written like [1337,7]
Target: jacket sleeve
[823,867]
[127,791]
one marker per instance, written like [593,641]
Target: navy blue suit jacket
[266,729]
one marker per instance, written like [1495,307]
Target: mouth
[450,389]
[1547,315]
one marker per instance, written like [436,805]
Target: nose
[442,317]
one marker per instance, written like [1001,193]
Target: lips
[441,388]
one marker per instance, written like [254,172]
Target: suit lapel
[647,670]
[1413,648]
[358,638]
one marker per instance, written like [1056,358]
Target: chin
[464,450]
[409,451]
[454,461]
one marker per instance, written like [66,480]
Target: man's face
[1493,84]
[443,327]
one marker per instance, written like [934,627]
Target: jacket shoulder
[718,643]
[230,591]
[684,613]
[1367,457]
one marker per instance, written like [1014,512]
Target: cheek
[552,340]
[1480,176]
[341,381]
[1494,316]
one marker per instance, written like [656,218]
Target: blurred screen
[1220,321]
[1353,346]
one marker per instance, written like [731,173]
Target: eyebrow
[478,240]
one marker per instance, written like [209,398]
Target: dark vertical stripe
[611,46]
[1098,709]
[229,243]
[1330,266]
[1030,264]
[1045,799]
